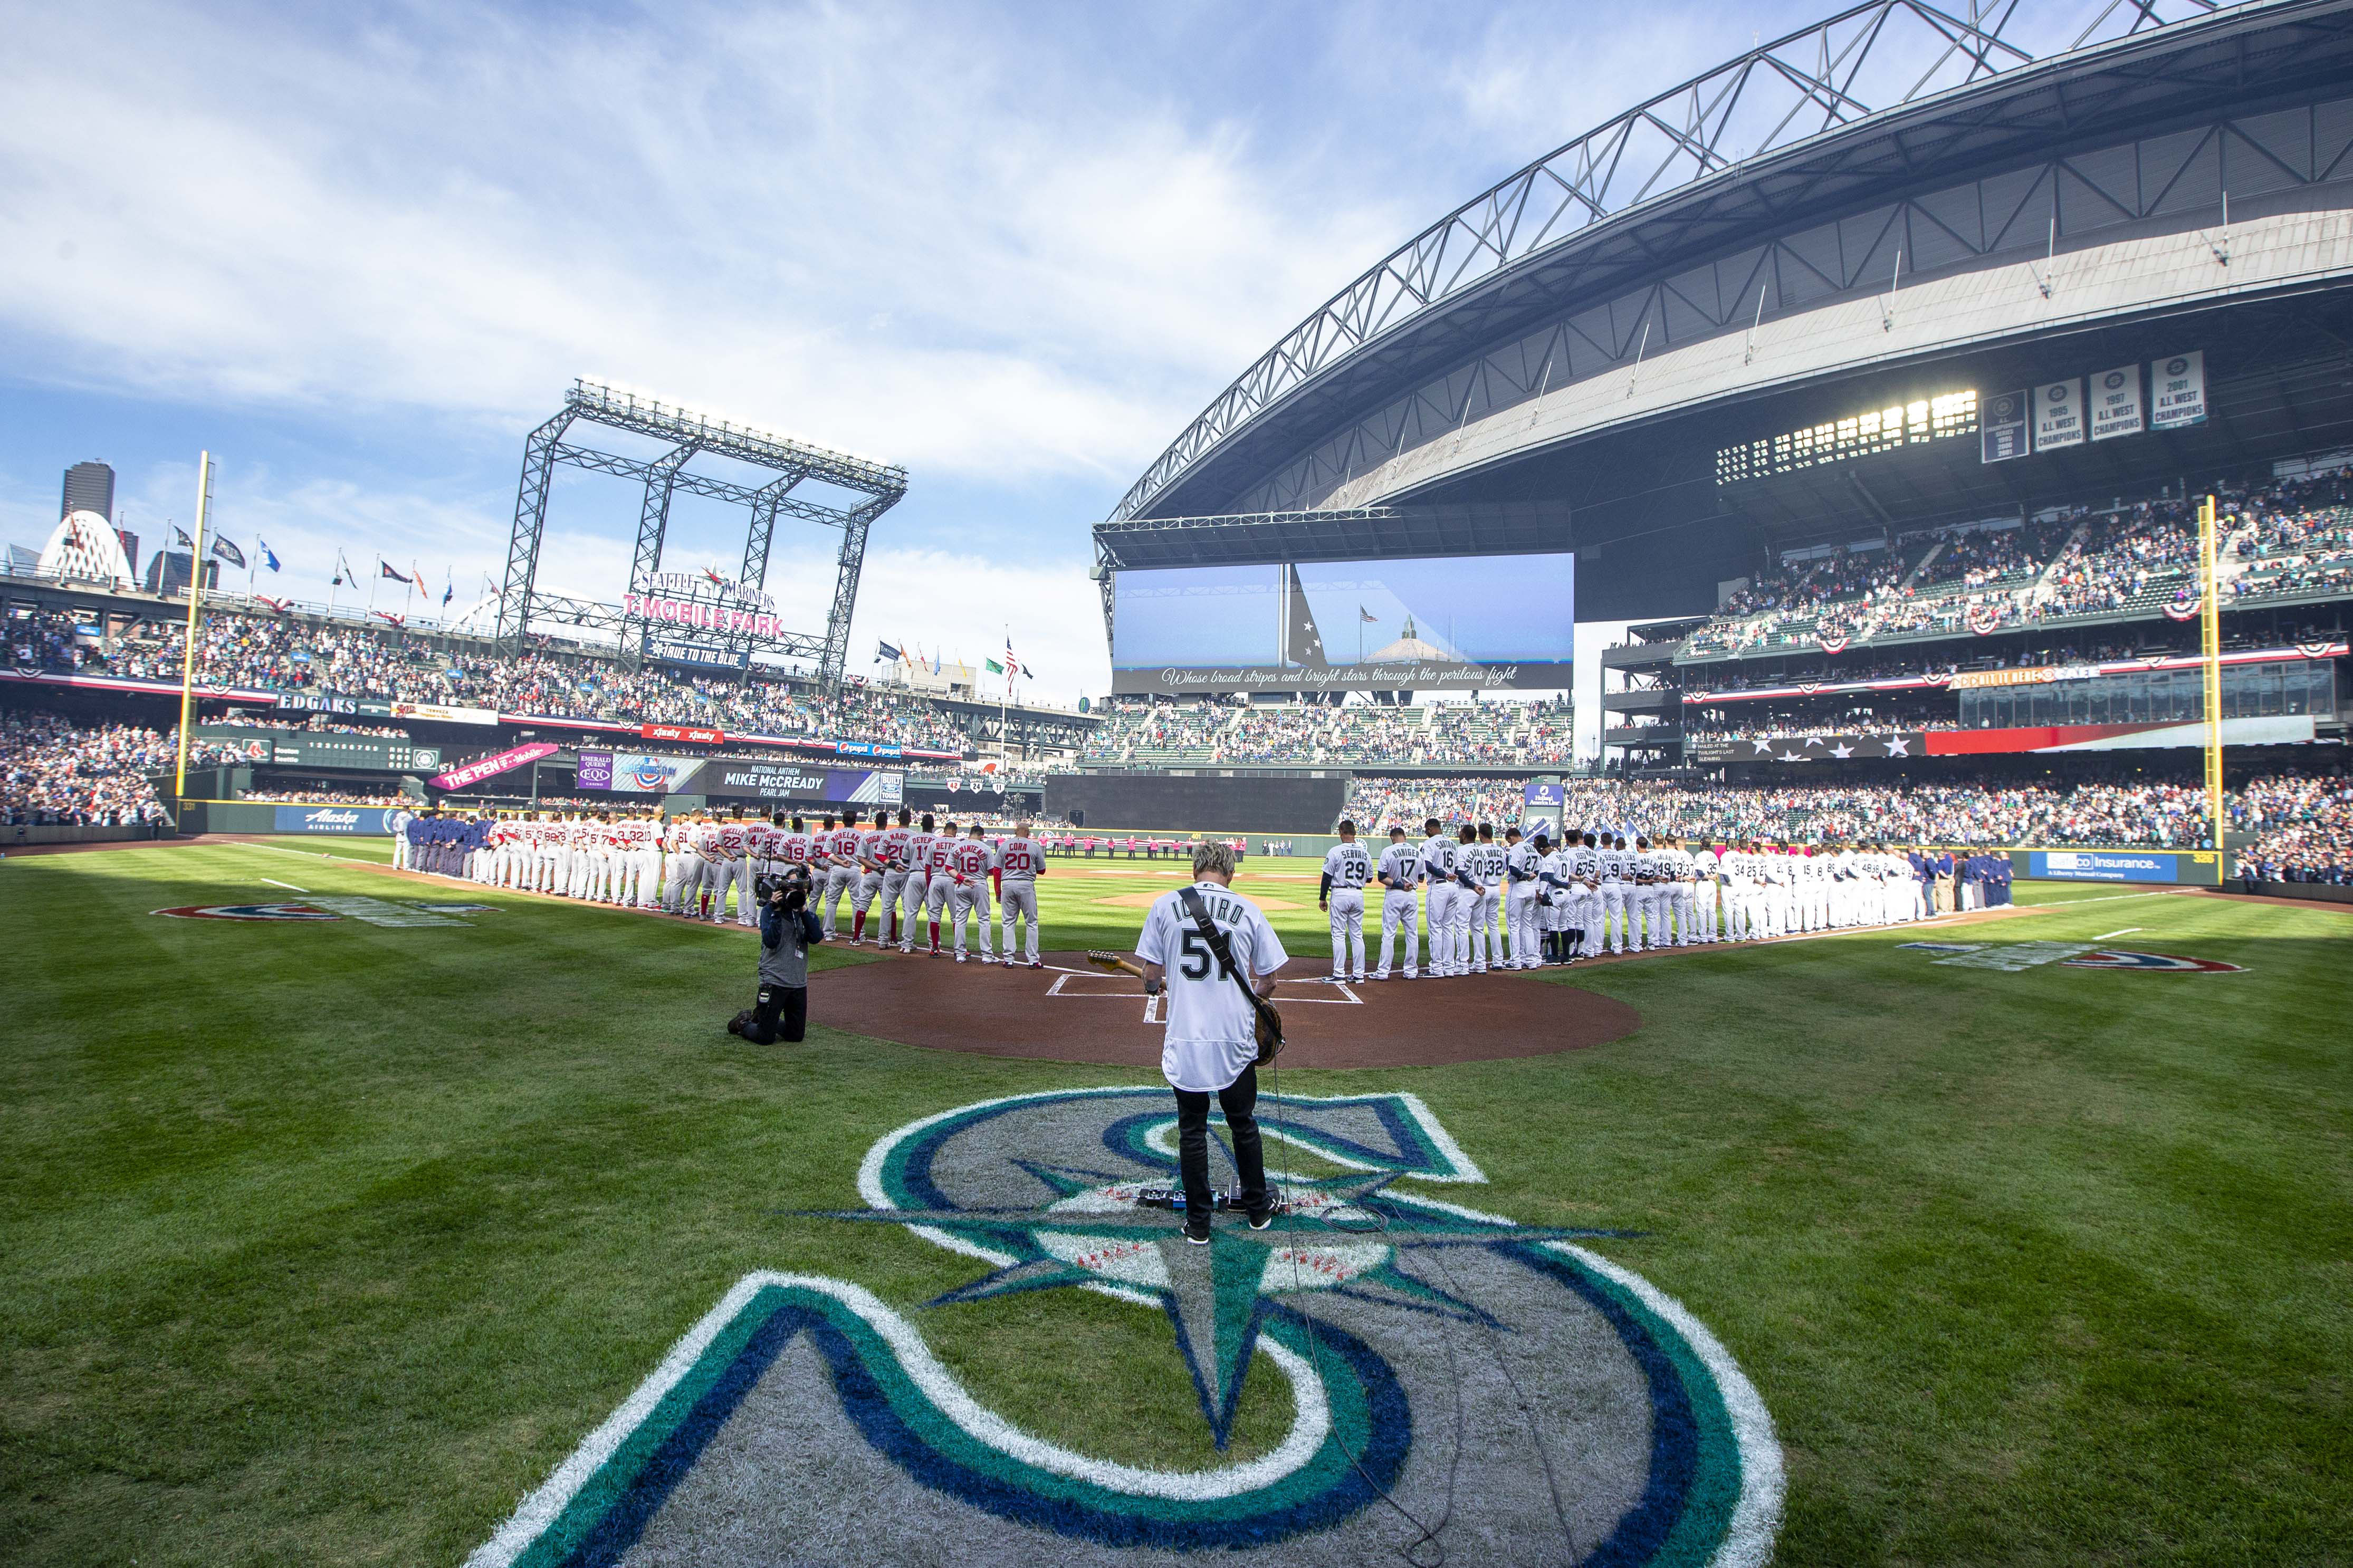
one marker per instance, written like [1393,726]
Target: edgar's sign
[1428,1355]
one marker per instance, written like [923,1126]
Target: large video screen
[1448,623]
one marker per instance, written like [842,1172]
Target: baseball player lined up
[1346,869]
[972,864]
[939,875]
[918,886]
[1021,862]
[1399,874]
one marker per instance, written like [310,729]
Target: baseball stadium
[1297,1104]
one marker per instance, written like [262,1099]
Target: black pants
[782,1015]
[1239,1100]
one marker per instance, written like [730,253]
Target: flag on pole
[268,556]
[883,650]
[227,551]
[185,542]
[935,661]
[1367,616]
[385,567]
[449,591]
[994,668]
[1011,663]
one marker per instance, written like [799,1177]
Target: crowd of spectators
[2124,812]
[1472,732]
[56,772]
[283,654]
[2278,538]
[2302,823]
[327,797]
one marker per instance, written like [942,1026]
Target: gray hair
[1211,856]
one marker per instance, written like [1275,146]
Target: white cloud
[904,238]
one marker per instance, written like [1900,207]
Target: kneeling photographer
[788,929]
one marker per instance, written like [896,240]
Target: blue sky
[357,251]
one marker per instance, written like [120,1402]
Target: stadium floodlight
[690,435]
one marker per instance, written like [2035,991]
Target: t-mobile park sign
[703,617]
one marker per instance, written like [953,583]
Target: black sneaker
[1261,1218]
[1196,1229]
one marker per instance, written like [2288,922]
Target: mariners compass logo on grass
[1449,1373]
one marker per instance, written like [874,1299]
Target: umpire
[788,929]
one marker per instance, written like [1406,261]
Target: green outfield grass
[322,1244]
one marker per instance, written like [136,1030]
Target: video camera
[794,884]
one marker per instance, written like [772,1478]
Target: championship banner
[2002,429]
[684,732]
[443,715]
[2058,415]
[482,768]
[2178,385]
[2116,403]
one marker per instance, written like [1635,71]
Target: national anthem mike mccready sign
[731,778]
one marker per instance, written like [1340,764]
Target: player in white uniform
[1021,862]
[1549,893]
[1209,1047]
[841,868]
[971,861]
[1486,911]
[1642,898]
[898,847]
[1520,906]
[1398,873]
[919,881]
[1703,893]
[1346,869]
[1616,866]
[1441,858]
[395,822]
[941,878]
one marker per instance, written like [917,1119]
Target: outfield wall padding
[1198,804]
[29,833]
[2319,892]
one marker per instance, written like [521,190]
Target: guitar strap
[1224,953]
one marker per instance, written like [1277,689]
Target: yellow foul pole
[2209,620]
[196,602]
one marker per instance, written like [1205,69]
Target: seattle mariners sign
[1449,1374]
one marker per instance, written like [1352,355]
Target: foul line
[2105,934]
[287,886]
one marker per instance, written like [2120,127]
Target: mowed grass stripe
[324,1243]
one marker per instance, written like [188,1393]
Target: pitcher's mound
[1070,1011]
